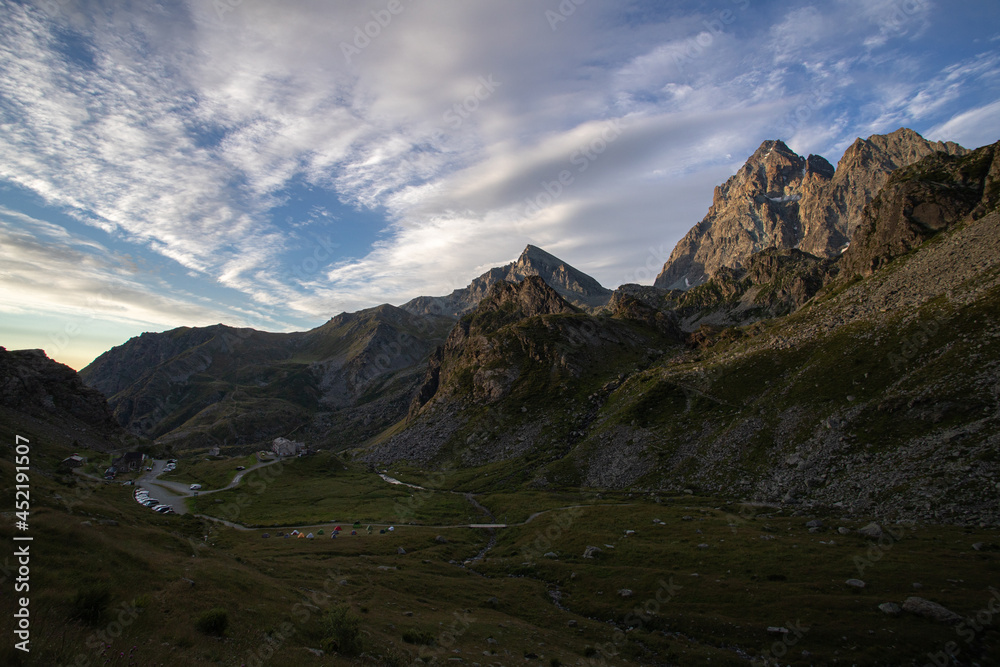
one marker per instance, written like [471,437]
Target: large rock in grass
[931,610]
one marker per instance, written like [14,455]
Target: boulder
[872,531]
[931,610]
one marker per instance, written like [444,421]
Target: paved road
[177,493]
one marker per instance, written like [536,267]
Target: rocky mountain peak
[780,199]
[572,284]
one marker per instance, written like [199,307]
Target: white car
[195,487]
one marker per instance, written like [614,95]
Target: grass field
[211,473]
[698,582]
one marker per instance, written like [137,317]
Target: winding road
[177,493]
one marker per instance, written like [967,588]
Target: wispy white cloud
[973,128]
[180,130]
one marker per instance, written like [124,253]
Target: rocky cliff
[37,390]
[780,199]
[919,201]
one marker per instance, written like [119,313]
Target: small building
[286,447]
[214,451]
[71,462]
[129,462]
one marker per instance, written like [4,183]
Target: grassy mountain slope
[220,386]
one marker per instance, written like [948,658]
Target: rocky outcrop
[756,209]
[572,284]
[782,200]
[33,384]
[921,200]
[836,209]
[468,347]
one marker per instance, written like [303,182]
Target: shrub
[414,636]
[90,604]
[342,629]
[213,622]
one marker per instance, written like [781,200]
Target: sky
[272,164]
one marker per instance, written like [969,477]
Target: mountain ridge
[783,200]
[571,283]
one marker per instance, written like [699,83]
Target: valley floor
[574,578]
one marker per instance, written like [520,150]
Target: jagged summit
[783,200]
[570,283]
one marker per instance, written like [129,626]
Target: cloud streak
[179,130]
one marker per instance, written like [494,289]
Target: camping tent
[310,536]
[338,529]
[300,535]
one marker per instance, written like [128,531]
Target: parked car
[157,508]
[151,502]
[241,467]
[195,487]
[164,509]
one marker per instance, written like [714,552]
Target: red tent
[338,529]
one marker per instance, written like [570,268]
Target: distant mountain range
[834,344]
[338,384]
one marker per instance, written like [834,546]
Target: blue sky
[271,165]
